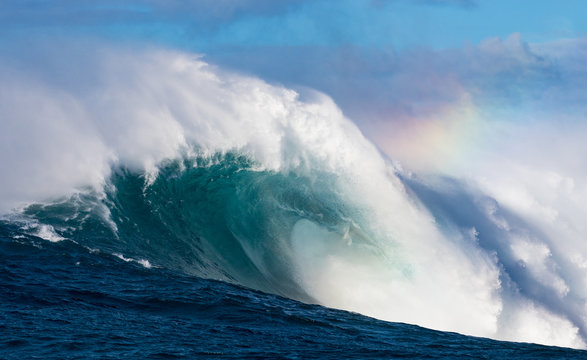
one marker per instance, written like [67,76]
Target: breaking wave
[169,162]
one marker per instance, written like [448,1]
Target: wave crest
[224,176]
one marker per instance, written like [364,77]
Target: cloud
[372,82]
[70,112]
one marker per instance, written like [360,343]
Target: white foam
[145,263]
[33,227]
[48,233]
[140,107]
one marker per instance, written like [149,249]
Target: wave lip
[227,177]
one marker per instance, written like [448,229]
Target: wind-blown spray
[160,157]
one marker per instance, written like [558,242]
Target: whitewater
[168,162]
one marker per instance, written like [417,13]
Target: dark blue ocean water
[60,300]
[127,274]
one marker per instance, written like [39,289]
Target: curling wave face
[169,161]
[215,217]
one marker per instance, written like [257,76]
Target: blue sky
[372,56]
[404,24]
[202,25]
[492,88]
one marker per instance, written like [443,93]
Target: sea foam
[392,247]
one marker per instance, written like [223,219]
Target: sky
[489,92]
[205,25]
[422,64]
[463,77]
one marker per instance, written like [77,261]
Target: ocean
[63,300]
[164,208]
[159,272]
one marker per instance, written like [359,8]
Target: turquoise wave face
[215,217]
[59,300]
[307,235]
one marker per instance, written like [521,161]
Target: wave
[299,236]
[213,217]
[184,166]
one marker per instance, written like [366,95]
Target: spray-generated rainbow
[288,196]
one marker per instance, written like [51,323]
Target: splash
[161,157]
